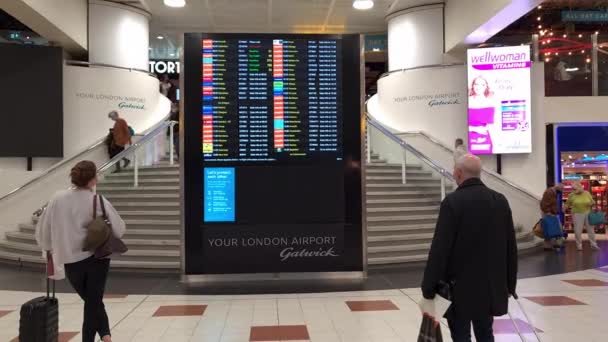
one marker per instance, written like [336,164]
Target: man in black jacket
[474,248]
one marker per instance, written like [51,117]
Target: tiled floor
[562,308]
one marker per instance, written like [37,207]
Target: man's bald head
[467,167]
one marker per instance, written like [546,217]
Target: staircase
[151,212]
[401,217]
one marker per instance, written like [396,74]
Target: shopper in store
[474,250]
[459,149]
[121,137]
[580,202]
[549,207]
[61,230]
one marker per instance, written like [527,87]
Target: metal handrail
[104,65]
[491,173]
[151,133]
[59,165]
[388,73]
[432,164]
[159,128]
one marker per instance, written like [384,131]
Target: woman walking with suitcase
[62,229]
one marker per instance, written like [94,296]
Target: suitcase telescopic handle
[49,263]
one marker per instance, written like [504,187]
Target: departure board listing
[271,99]
[219,194]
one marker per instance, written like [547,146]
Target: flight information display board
[272,129]
[269,99]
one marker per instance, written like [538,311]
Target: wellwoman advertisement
[499,100]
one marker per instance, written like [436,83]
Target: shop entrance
[580,154]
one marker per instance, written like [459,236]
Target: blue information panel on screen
[219,194]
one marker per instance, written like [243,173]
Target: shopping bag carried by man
[432,311]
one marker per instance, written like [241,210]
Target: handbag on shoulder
[538,229]
[98,230]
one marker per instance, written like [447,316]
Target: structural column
[118,34]
[415,34]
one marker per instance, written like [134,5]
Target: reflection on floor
[562,308]
[558,290]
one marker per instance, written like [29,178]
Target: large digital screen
[31,93]
[272,153]
[499,105]
[271,99]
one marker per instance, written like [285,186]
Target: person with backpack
[62,230]
[121,137]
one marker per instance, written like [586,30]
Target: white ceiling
[264,16]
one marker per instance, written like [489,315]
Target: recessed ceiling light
[363,4]
[160,37]
[175,3]
[172,54]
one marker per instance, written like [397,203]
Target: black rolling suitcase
[39,320]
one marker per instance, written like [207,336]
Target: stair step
[400,202]
[401,187]
[135,233]
[130,242]
[406,218]
[32,249]
[399,238]
[393,229]
[386,210]
[142,197]
[399,178]
[402,194]
[420,247]
[134,265]
[103,188]
[148,173]
[397,260]
[168,181]
[143,222]
[395,171]
[146,205]
[383,165]
[153,168]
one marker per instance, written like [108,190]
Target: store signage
[164,67]
[376,42]
[584,16]
[499,105]
[280,248]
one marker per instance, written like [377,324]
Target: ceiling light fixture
[160,37]
[175,3]
[363,4]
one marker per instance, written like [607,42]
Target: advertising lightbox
[499,101]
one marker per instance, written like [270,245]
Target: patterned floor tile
[180,310]
[115,296]
[63,337]
[506,326]
[371,305]
[586,282]
[279,333]
[554,300]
